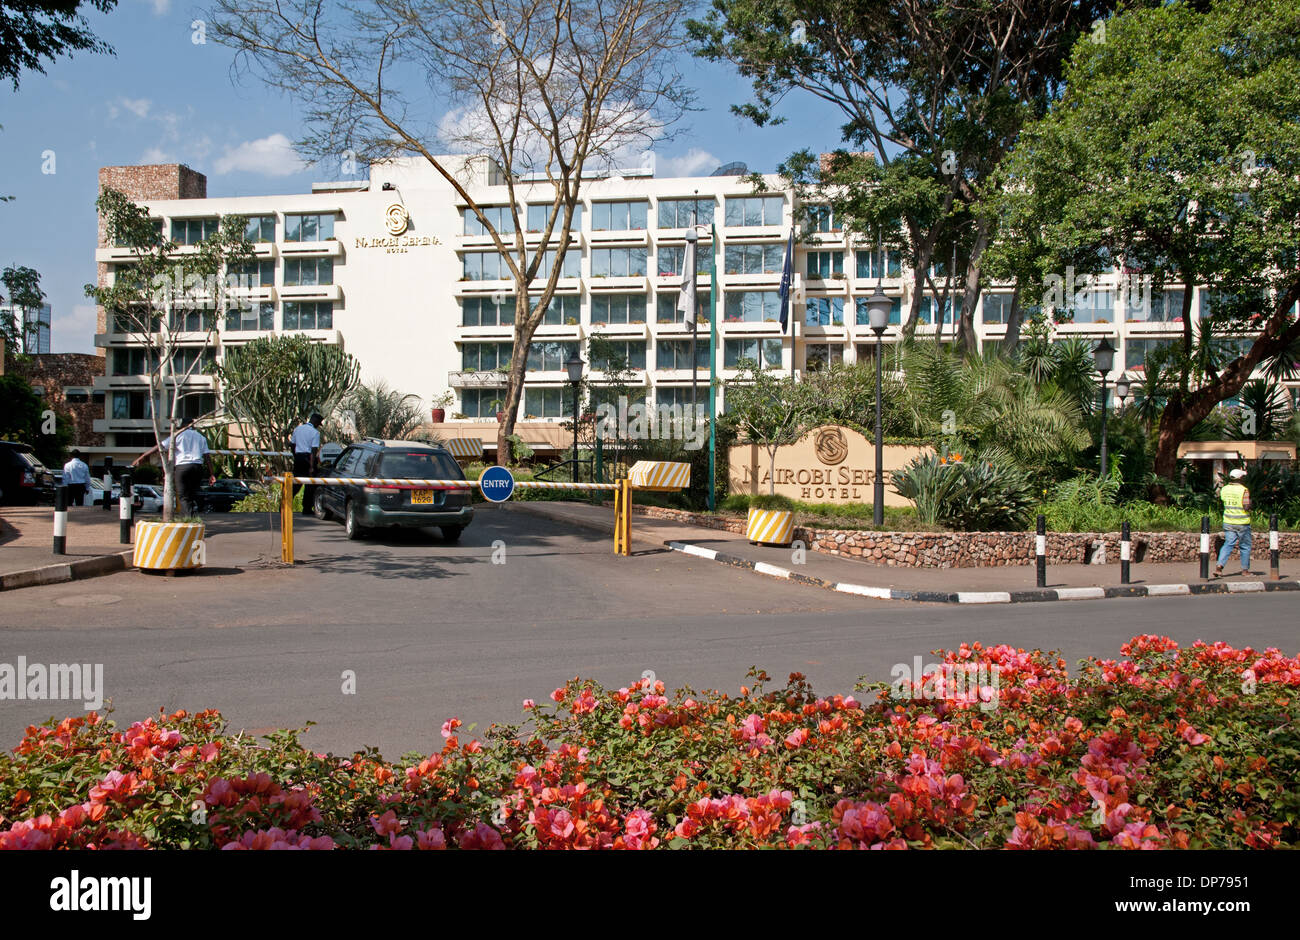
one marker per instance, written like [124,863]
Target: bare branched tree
[551,91]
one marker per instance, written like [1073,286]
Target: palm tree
[379,411]
[1271,408]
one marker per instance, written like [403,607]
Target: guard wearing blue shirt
[76,477]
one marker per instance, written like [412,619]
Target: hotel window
[572,264]
[487,311]
[822,219]
[127,275]
[893,355]
[563,310]
[133,362]
[248,318]
[192,321]
[1093,306]
[872,264]
[548,402]
[619,354]
[122,242]
[683,213]
[255,273]
[618,262]
[316,227]
[1155,306]
[618,308]
[308,272]
[754,259]
[681,398]
[193,231]
[929,305]
[183,359]
[824,311]
[997,307]
[605,395]
[750,211]
[676,354]
[666,309]
[1137,352]
[762,353]
[825,264]
[671,259]
[260,229]
[131,406]
[133,322]
[308,315]
[485,357]
[500,218]
[481,402]
[550,357]
[821,355]
[76,396]
[539,214]
[752,306]
[618,216]
[484,266]
[197,405]
[863,317]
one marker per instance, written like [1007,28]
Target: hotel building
[401,274]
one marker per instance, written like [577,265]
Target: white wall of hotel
[397,307]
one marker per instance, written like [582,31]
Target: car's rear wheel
[451,533]
[319,507]
[352,523]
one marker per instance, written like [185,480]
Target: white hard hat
[1237,474]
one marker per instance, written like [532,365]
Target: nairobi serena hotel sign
[829,464]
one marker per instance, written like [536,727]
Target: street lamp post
[574,366]
[1122,386]
[878,306]
[1104,356]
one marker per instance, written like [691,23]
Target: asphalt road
[434,630]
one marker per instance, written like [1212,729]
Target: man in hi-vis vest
[1236,522]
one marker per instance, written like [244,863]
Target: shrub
[994,747]
[979,495]
[736,502]
[266,498]
[771,501]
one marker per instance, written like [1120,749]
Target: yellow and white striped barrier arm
[446,484]
[660,475]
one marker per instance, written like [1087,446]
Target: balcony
[468,379]
[330,248]
[311,292]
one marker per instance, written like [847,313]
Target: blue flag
[787,281]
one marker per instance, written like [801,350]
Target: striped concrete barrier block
[770,526]
[465,448]
[660,475]
[166,546]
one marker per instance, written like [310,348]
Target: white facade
[423,309]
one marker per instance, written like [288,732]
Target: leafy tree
[273,382]
[164,299]
[1174,153]
[547,88]
[24,287]
[768,410]
[23,419]
[943,86]
[33,31]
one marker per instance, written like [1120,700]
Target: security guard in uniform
[305,440]
[1236,522]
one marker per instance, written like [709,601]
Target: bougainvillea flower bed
[1162,748]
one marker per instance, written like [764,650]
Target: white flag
[686,302]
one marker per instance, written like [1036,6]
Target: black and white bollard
[1205,547]
[108,482]
[1125,552]
[1040,550]
[126,510]
[61,520]
[1273,549]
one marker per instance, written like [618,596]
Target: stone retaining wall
[989,549]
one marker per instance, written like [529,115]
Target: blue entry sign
[497,483]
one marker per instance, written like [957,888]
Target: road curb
[1036,595]
[69,571]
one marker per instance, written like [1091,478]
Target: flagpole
[713,366]
[695,388]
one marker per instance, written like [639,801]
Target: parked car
[23,478]
[363,508]
[95,492]
[222,495]
[329,455]
[146,497]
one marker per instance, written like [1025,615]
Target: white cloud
[161,7]
[137,106]
[269,156]
[75,331]
[695,162]
[157,155]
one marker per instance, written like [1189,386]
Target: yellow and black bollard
[286,519]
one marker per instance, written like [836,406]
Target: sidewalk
[27,541]
[945,585]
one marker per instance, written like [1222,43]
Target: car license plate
[421,497]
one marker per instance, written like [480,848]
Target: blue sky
[164,99]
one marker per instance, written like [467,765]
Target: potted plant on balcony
[172,294]
[440,405]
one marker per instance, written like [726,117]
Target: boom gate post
[286,519]
[623,518]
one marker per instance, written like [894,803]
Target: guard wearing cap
[1236,522]
[305,440]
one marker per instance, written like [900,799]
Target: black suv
[370,507]
[23,478]
[222,495]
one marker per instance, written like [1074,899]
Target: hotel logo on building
[396,221]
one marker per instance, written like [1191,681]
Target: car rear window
[30,460]
[418,465]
